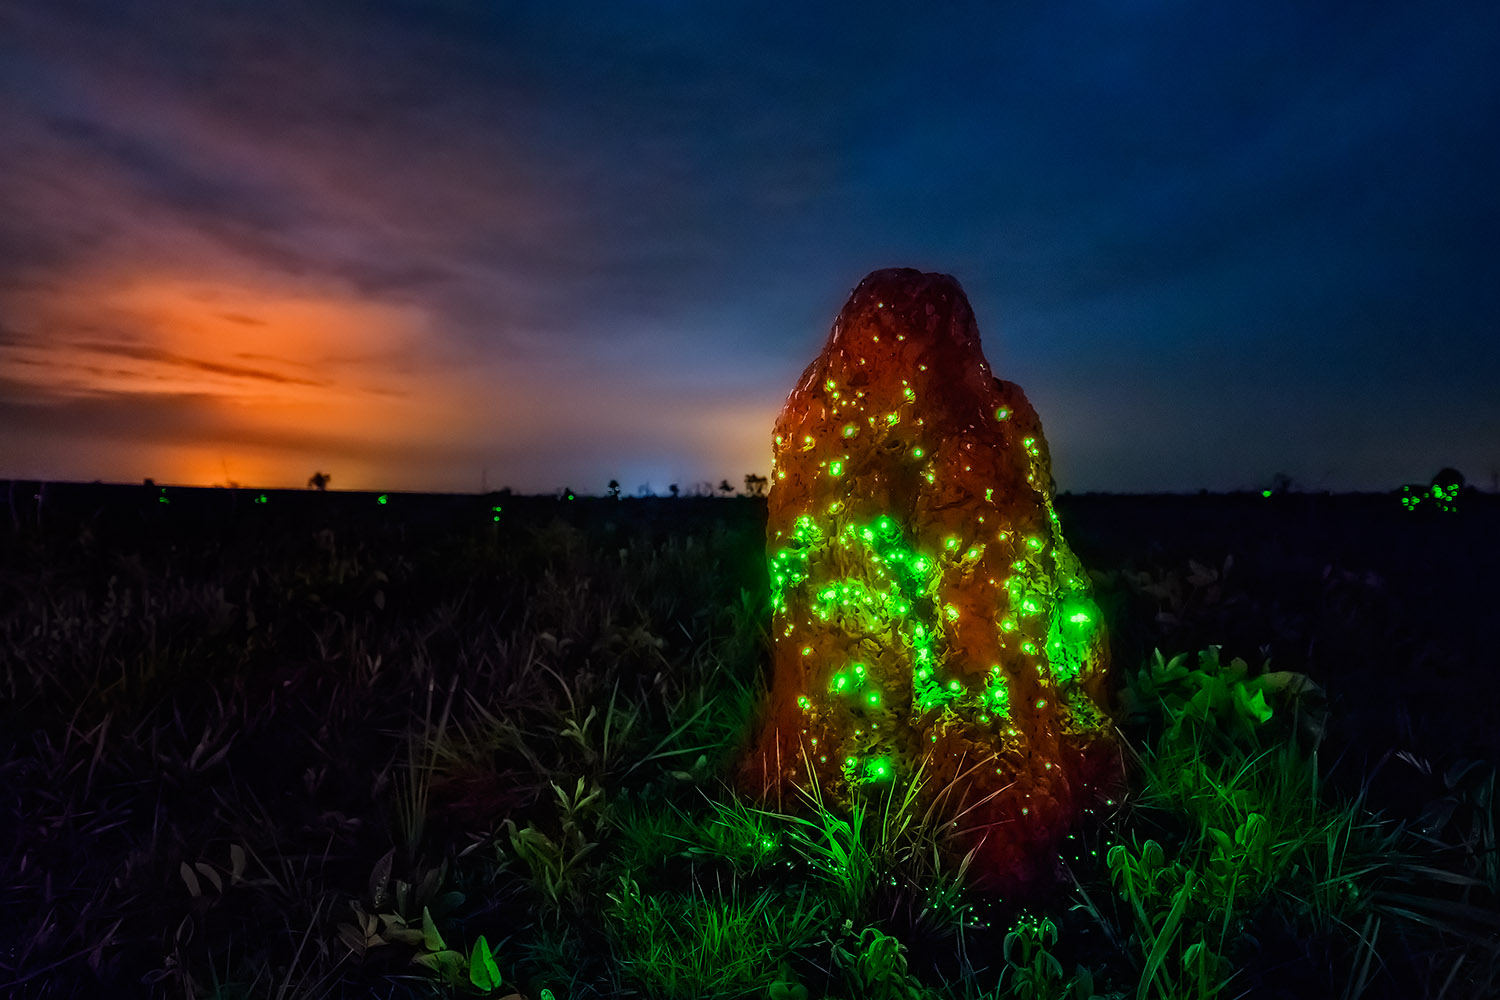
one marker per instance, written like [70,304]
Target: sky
[445,246]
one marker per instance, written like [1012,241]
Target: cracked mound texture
[929,620]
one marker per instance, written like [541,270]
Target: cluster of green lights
[1435,497]
[882,589]
[997,695]
[1069,637]
[872,770]
[789,565]
[495,513]
[927,692]
[262,499]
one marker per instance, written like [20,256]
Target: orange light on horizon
[266,376]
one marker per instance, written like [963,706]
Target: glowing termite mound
[930,624]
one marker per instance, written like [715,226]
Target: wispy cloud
[519,233]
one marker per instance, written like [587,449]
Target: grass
[262,757]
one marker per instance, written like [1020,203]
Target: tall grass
[353,761]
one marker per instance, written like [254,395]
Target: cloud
[509,229]
[167,358]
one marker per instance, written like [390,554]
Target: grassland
[326,746]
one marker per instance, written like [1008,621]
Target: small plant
[555,863]
[874,966]
[1035,973]
[1202,691]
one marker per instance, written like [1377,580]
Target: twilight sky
[417,244]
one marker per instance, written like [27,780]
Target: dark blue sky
[418,244]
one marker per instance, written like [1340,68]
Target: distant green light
[835,468]
[850,430]
[1080,618]
[262,499]
[1003,413]
[1265,493]
[382,499]
[917,453]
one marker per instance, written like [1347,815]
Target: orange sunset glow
[439,248]
[265,380]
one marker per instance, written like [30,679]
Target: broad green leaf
[483,972]
[431,939]
[1253,706]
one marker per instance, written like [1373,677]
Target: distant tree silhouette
[725,488]
[755,485]
[673,490]
[318,481]
[614,489]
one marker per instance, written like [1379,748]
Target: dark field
[322,745]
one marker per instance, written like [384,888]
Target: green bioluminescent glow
[913,537]
[1436,497]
